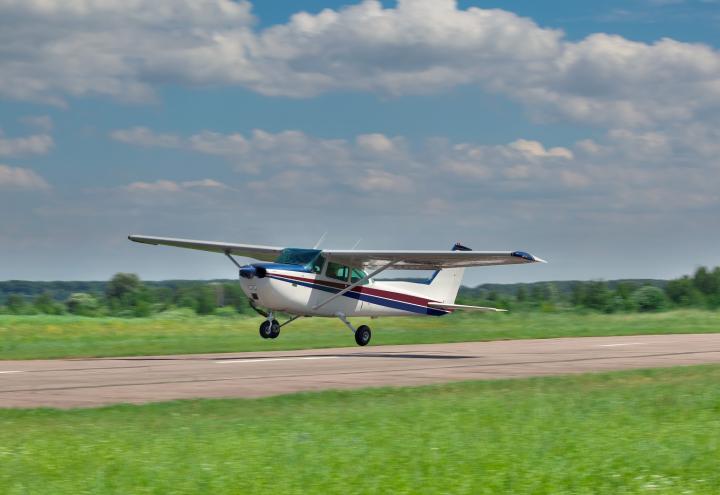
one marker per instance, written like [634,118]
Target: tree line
[125,295]
[700,290]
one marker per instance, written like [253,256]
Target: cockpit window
[317,265]
[337,271]
[294,256]
[358,274]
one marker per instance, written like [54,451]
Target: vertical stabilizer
[445,283]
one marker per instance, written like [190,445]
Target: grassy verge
[654,431]
[31,337]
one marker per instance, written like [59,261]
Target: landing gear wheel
[266,330]
[362,335]
[274,329]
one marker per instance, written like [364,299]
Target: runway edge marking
[268,360]
[621,344]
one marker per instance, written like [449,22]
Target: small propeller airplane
[341,283]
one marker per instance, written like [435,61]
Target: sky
[587,133]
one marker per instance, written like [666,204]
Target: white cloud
[142,136]
[169,186]
[535,149]
[626,169]
[376,143]
[37,144]
[16,178]
[159,186]
[54,48]
[380,181]
[303,166]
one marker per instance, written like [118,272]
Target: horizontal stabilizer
[464,307]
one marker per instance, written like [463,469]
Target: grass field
[30,337]
[654,431]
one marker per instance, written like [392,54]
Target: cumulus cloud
[16,178]
[611,172]
[169,186]
[625,170]
[142,136]
[37,144]
[262,150]
[536,149]
[380,181]
[54,48]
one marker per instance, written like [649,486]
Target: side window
[358,275]
[317,265]
[335,270]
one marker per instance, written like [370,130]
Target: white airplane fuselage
[297,290]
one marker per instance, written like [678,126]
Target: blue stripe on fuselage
[381,301]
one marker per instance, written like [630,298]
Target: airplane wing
[429,260]
[261,253]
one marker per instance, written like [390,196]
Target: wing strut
[353,285]
[227,253]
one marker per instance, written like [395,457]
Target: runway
[68,383]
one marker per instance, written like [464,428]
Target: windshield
[295,256]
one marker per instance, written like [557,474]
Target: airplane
[341,283]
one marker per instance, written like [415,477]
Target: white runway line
[618,345]
[8,372]
[268,360]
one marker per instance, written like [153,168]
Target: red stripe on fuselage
[397,296]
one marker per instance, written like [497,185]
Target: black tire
[363,335]
[265,330]
[274,329]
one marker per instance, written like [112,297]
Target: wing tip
[141,239]
[527,257]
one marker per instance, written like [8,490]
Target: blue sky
[585,132]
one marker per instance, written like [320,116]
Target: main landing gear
[270,329]
[362,333]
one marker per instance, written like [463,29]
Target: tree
[537,294]
[44,303]
[235,297]
[622,299]
[206,300]
[126,295]
[707,282]
[83,304]
[682,291]
[649,298]
[521,294]
[597,296]
[577,294]
[122,284]
[16,304]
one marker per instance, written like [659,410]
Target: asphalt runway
[67,383]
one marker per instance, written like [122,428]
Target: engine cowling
[252,271]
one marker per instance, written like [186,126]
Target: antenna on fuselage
[322,238]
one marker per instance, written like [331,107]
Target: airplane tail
[445,283]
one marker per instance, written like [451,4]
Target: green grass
[654,431]
[32,337]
